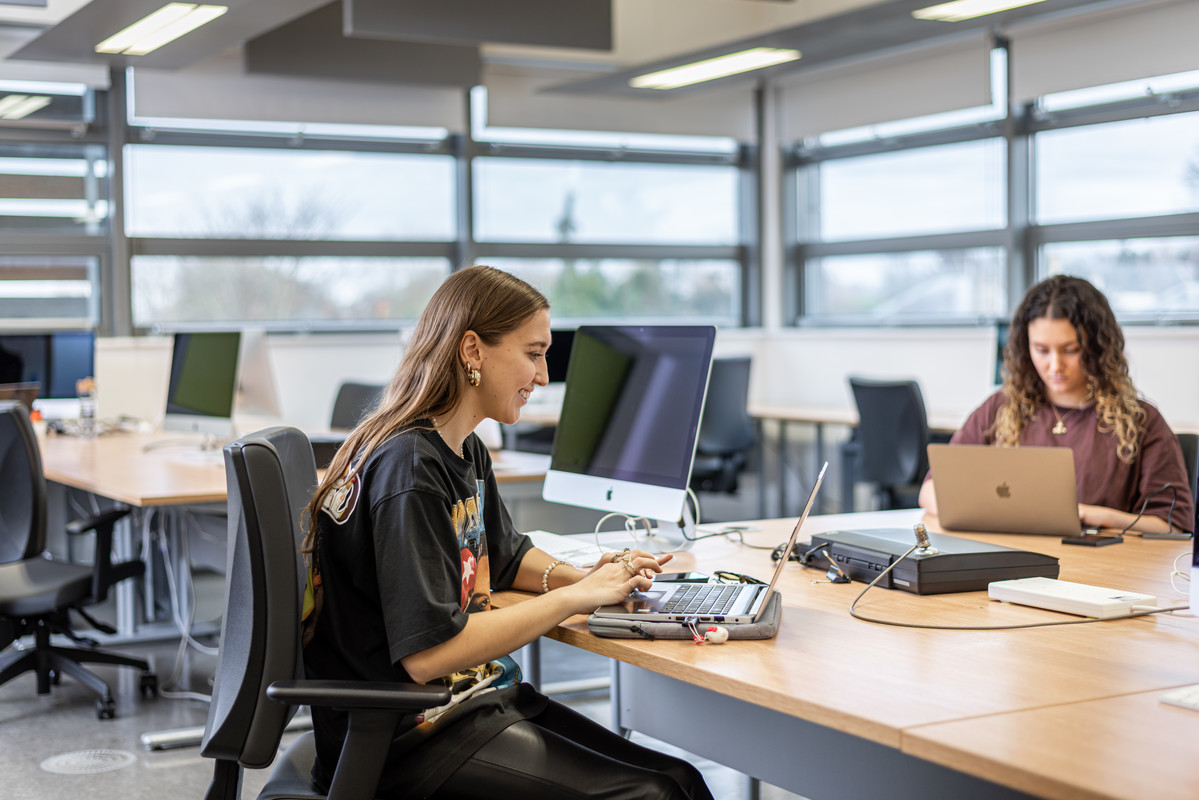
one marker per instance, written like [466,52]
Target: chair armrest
[375,710]
[359,694]
[103,525]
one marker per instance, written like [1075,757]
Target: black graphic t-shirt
[406,550]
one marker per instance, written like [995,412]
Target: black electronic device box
[951,564]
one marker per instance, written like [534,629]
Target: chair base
[49,663]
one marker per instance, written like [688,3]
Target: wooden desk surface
[116,466]
[882,683]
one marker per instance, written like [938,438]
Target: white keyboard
[580,549]
[1183,696]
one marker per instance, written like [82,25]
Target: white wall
[803,366]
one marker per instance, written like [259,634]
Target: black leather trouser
[562,755]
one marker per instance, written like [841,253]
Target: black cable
[1145,504]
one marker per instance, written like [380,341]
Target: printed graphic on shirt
[472,547]
[339,504]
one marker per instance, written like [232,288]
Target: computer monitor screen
[630,417]
[1002,329]
[52,360]
[557,358]
[256,391]
[203,383]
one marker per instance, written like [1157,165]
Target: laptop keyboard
[703,598]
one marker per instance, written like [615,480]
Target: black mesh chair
[37,593]
[726,430]
[353,402]
[892,440]
[258,685]
[1190,456]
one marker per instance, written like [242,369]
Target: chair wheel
[106,708]
[149,684]
[55,677]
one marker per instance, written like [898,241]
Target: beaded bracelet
[545,576]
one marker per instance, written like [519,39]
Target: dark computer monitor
[55,361]
[203,383]
[630,417]
[557,358]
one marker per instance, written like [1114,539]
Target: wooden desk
[837,707]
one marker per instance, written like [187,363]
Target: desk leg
[821,504]
[761,431]
[782,471]
[530,663]
[125,591]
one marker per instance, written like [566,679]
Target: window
[1130,168]
[534,200]
[256,193]
[597,290]
[1155,278]
[943,189]
[51,291]
[50,188]
[910,287]
[284,291]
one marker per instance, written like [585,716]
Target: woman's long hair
[1102,342]
[430,381]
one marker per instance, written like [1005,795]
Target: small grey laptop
[1005,489]
[707,602]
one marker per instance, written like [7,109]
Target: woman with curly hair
[1066,384]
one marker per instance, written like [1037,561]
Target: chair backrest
[893,431]
[271,475]
[726,426]
[22,486]
[353,402]
[1190,456]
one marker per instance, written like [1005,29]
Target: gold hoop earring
[473,376]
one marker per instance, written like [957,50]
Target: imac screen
[203,382]
[630,418]
[52,360]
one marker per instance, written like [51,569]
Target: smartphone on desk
[1093,539]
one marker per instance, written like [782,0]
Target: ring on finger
[632,570]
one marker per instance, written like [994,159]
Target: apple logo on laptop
[1003,490]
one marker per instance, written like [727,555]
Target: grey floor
[55,747]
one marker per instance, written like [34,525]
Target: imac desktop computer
[203,384]
[630,418]
[47,366]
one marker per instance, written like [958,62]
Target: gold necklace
[1060,427]
[461,449]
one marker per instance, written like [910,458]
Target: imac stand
[676,534]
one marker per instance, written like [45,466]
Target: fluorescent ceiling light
[968,9]
[23,107]
[713,68]
[164,25]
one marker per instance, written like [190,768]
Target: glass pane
[57,289]
[596,290]
[523,200]
[1153,277]
[908,287]
[945,189]
[251,193]
[177,289]
[53,189]
[1134,168]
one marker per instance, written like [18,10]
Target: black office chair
[353,402]
[726,430]
[892,440]
[1190,456]
[37,593]
[271,475]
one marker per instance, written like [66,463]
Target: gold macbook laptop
[1005,489]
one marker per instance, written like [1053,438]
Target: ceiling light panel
[969,9]
[713,68]
[163,26]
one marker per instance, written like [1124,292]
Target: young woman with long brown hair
[407,536]
[1066,384]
